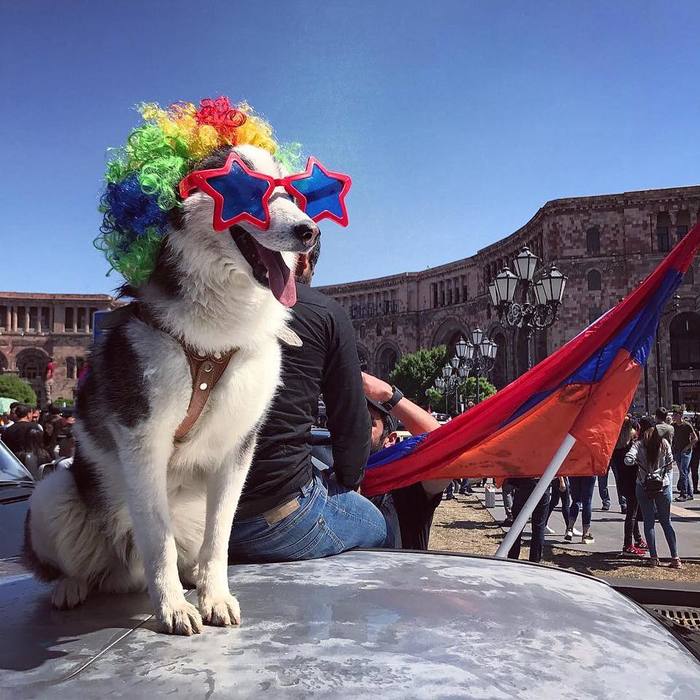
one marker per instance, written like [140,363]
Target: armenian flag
[584,389]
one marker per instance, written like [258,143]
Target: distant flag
[584,389]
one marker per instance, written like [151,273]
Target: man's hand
[375,388]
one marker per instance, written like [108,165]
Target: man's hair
[661,413]
[22,410]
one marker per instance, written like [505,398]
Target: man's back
[326,363]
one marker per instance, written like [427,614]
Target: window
[449,295]
[594,281]
[81,319]
[46,319]
[70,367]
[685,348]
[663,235]
[21,318]
[682,223]
[33,318]
[689,277]
[394,328]
[434,294]
[79,362]
[70,320]
[593,240]
[379,331]
[3,318]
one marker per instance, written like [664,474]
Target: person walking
[684,438]
[523,489]
[581,488]
[560,492]
[632,543]
[654,461]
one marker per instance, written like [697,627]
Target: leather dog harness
[205,370]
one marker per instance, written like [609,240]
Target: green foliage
[415,372]
[466,391]
[13,387]
[60,401]
[467,388]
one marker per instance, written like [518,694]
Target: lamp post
[544,288]
[476,357]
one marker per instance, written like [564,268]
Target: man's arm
[346,408]
[416,420]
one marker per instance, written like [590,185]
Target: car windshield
[11,469]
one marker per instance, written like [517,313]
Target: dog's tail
[61,537]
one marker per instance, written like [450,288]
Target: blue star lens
[322,193]
[241,193]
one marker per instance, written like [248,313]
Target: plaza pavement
[607,526]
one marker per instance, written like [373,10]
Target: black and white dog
[130,483]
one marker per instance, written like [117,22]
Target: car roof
[359,624]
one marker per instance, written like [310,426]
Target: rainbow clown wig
[142,179]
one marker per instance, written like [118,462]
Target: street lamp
[544,289]
[477,357]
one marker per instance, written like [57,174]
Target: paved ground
[607,526]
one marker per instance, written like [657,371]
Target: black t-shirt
[15,436]
[326,363]
[415,509]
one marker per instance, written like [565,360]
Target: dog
[139,509]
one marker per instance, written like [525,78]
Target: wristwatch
[395,398]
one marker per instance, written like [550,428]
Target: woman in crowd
[33,455]
[627,483]
[654,461]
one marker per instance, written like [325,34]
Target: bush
[61,402]
[13,387]
[415,372]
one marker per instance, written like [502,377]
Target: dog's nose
[307,233]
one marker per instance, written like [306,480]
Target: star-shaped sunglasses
[242,194]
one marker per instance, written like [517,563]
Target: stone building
[604,244]
[35,327]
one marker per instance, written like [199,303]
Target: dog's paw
[221,610]
[69,592]
[180,618]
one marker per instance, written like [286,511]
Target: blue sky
[455,119]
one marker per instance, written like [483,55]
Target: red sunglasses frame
[198,180]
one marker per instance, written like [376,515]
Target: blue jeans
[581,489]
[683,462]
[603,486]
[657,505]
[327,519]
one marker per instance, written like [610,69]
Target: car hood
[356,625]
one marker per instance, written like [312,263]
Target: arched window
[594,281]
[685,341]
[593,240]
[379,330]
[663,232]
[70,367]
[31,364]
[387,362]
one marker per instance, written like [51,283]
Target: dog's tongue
[280,277]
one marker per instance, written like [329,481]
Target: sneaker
[587,538]
[690,497]
[634,551]
[680,499]
[576,532]
[623,509]
[548,530]
[653,561]
[676,563]
[606,506]
[569,536]
[641,545]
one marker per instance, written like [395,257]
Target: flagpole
[549,473]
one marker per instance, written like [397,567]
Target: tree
[416,371]
[12,387]
[466,389]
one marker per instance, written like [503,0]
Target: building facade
[36,327]
[606,245]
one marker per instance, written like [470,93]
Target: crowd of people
[642,463]
[37,437]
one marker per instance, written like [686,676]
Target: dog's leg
[224,486]
[147,497]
